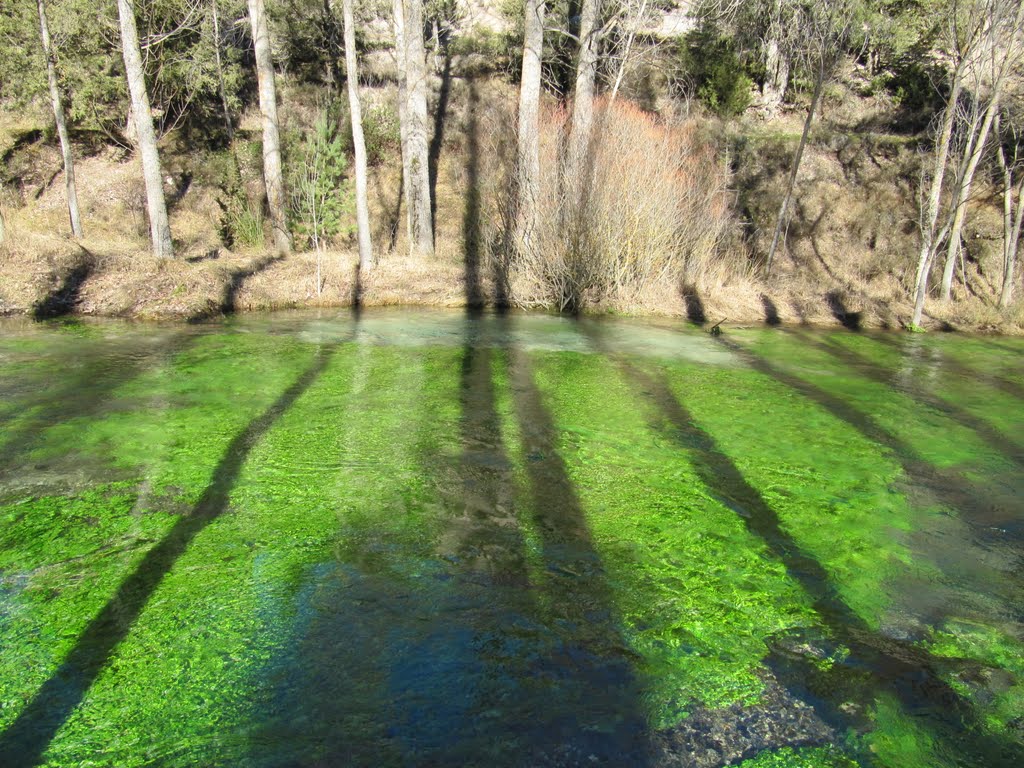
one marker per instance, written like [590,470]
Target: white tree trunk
[1013,218]
[220,74]
[586,76]
[528,148]
[358,143]
[776,62]
[412,113]
[62,128]
[273,177]
[930,216]
[156,206]
[634,23]
[963,194]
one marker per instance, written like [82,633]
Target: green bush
[710,61]
[241,222]
[380,132]
[321,200]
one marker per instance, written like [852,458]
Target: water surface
[422,538]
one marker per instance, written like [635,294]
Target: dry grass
[850,244]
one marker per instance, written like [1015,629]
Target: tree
[412,113]
[156,206]
[358,143]
[824,28]
[273,178]
[528,145]
[1001,53]
[1011,167]
[221,87]
[62,127]
[965,27]
[586,77]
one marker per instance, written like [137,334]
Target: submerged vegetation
[423,538]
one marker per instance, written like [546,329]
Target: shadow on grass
[23,743]
[65,298]
[233,284]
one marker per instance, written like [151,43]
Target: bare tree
[412,114]
[156,206]
[1000,50]
[964,30]
[825,26]
[1012,171]
[528,148]
[62,127]
[586,77]
[358,143]
[220,71]
[272,174]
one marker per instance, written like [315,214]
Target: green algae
[385,545]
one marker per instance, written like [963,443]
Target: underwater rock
[710,738]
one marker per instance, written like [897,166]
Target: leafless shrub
[647,207]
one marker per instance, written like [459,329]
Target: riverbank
[57,277]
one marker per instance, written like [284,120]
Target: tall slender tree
[222,90]
[825,27]
[586,77]
[273,177]
[1003,52]
[62,126]
[142,116]
[412,113]
[528,145]
[358,142]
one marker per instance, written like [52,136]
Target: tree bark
[1012,221]
[630,37]
[528,147]
[156,206]
[586,75]
[220,74]
[412,113]
[776,65]
[358,143]
[784,208]
[272,174]
[930,216]
[62,128]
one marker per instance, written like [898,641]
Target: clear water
[422,538]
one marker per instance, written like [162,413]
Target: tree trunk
[930,215]
[358,143]
[1012,221]
[776,63]
[272,174]
[412,113]
[634,23]
[586,75]
[62,128]
[784,208]
[528,148]
[156,206]
[220,74]
[963,193]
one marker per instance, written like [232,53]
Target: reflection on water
[421,538]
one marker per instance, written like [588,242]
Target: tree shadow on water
[23,743]
[470,647]
[887,377]
[876,664]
